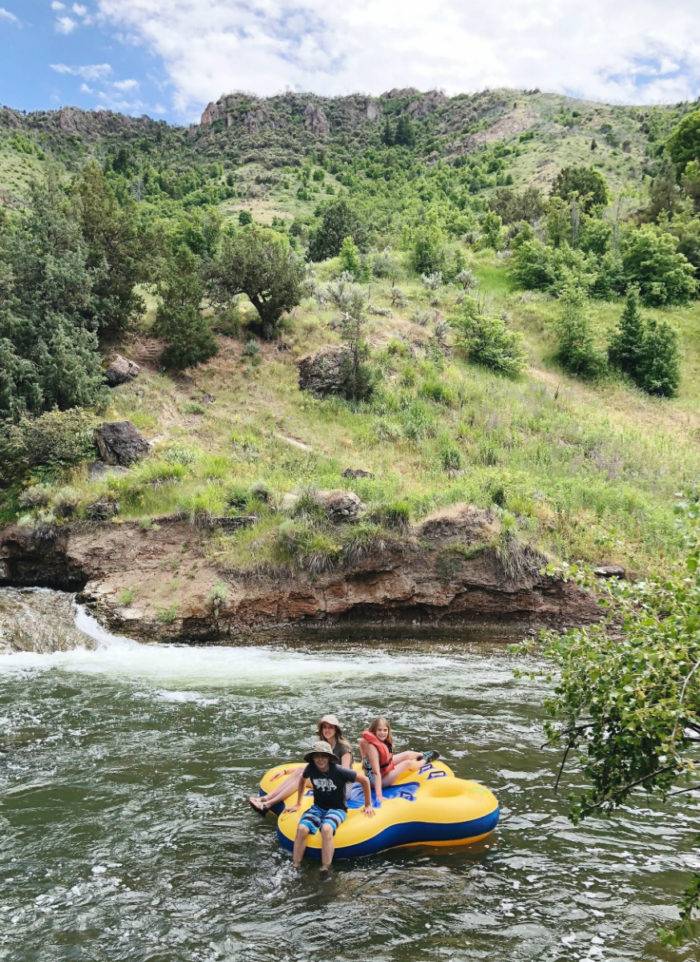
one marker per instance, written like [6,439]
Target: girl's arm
[346,760]
[373,756]
[364,781]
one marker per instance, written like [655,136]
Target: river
[124,834]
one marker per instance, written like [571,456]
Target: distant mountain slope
[550,130]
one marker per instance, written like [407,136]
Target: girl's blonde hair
[374,725]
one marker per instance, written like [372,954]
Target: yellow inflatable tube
[427,807]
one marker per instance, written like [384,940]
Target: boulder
[120,443]
[609,571]
[102,510]
[325,371]
[357,473]
[338,504]
[120,370]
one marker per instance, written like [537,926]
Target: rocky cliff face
[452,571]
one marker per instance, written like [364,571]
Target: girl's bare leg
[407,765]
[287,788]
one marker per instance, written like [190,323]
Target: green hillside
[585,468]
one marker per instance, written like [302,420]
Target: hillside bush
[48,309]
[576,350]
[650,259]
[338,221]
[487,340]
[179,319]
[660,368]
[585,183]
[626,345]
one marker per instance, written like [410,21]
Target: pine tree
[115,251]
[49,357]
[626,346]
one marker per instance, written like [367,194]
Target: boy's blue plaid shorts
[316,816]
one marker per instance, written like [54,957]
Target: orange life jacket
[386,762]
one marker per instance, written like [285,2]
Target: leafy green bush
[179,319]
[259,262]
[54,440]
[537,266]
[646,350]
[429,252]
[585,183]
[650,260]
[487,340]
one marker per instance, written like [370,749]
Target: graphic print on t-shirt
[329,787]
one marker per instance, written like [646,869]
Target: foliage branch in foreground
[627,701]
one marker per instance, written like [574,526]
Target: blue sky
[47,62]
[168,58]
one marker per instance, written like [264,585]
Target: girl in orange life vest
[379,761]
[327,730]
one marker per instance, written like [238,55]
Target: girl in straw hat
[327,730]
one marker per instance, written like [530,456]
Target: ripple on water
[124,834]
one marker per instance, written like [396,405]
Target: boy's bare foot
[325,871]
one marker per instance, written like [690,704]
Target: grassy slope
[587,471]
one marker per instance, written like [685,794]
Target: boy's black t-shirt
[329,787]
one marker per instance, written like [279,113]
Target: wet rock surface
[38,621]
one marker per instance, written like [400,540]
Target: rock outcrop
[39,621]
[120,370]
[338,505]
[453,571]
[324,372]
[119,443]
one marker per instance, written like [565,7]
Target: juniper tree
[179,320]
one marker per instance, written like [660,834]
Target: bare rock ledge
[451,572]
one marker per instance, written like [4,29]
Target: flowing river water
[124,834]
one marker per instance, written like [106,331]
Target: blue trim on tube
[406,833]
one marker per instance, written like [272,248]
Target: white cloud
[65,24]
[125,85]
[80,9]
[57,5]
[599,50]
[88,71]
[85,89]
[9,17]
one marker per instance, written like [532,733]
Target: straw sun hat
[320,748]
[330,720]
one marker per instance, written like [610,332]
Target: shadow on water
[124,833]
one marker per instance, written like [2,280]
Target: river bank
[453,571]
